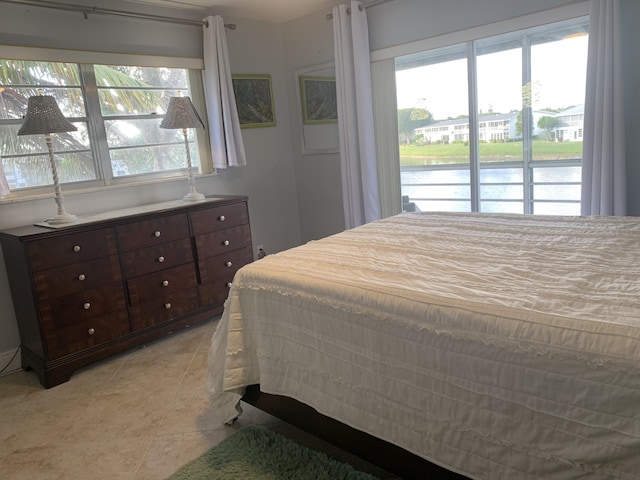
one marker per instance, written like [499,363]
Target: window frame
[384,87]
[95,121]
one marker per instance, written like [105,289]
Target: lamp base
[61,219]
[193,197]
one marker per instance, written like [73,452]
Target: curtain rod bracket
[362,7]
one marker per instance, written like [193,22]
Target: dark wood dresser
[115,280]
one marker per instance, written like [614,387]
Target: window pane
[433,105]
[501,207]
[557,174]
[26,158]
[35,170]
[148,159]
[132,132]
[499,104]
[551,208]
[558,73]
[39,74]
[133,101]
[127,76]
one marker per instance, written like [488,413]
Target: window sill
[17,198]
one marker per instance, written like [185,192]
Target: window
[117,110]
[511,110]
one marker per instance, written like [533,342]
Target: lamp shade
[181,114]
[44,117]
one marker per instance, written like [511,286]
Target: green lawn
[459,153]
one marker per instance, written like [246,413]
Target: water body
[555,188]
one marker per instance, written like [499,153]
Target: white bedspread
[498,346]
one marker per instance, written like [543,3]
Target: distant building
[498,127]
[570,124]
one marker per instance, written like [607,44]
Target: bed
[496,346]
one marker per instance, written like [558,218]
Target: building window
[117,110]
[524,86]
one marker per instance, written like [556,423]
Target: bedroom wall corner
[308,42]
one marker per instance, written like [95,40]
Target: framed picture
[254,99]
[318,97]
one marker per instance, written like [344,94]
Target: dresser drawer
[217,291]
[223,241]
[59,312]
[224,266]
[156,258]
[77,277]
[86,333]
[150,313]
[146,233]
[73,248]
[162,284]
[218,218]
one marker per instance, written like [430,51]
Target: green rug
[260,454]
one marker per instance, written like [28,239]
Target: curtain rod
[361,7]
[86,11]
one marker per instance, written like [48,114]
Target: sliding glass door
[495,125]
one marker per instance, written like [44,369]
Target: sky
[558,78]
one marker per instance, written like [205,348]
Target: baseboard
[12,365]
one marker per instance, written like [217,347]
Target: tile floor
[139,415]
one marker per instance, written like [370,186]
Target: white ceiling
[276,11]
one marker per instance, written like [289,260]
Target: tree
[547,124]
[411,118]
[519,129]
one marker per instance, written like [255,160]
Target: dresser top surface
[118,216]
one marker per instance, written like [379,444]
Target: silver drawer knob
[87,306]
[156,233]
[222,218]
[165,283]
[229,284]
[76,248]
[228,264]
[161,259]
[91,331]
[81,277]
[167,306]
[226,243]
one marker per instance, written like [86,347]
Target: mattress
[497,346]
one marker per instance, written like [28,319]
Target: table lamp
[182,114]
[44,117]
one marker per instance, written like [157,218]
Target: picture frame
[254,100]
[317,136]
[318,99]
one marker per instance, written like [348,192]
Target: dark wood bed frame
[367,447]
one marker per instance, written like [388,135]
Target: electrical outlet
[258,248]
[261,252]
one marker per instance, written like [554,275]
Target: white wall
[403,21]
[269,178]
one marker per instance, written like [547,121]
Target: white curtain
[4,185]
[604,185]
[355,115]
[225,136]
